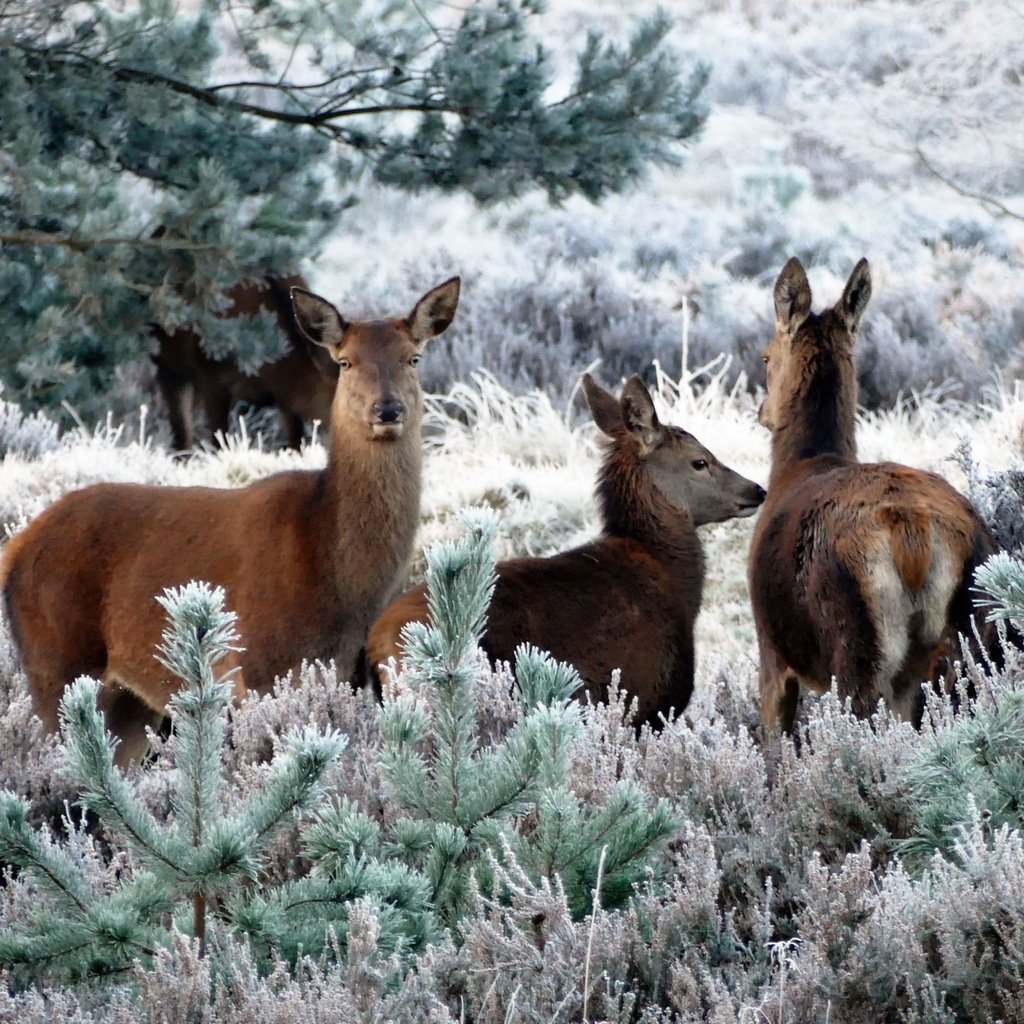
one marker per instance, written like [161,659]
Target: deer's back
[610,604]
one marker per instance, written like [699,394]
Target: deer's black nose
[760,492]
[390,411]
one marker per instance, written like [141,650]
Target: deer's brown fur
[861,571]
[300,385]
[307,558]
[629,598]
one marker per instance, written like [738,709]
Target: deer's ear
[639,416]
[855,296]
[604,407]
[435,311]
[792,296]
[317,318]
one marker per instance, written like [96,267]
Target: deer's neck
[819,420]
[371,489]
[631,506]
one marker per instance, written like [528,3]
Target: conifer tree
[1001,582]
[462,802]
[511,798]
[153,154]
[974,770]
[206,851]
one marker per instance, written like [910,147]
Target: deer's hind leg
[216,401]
[51,669]
[127,718]
[780,698]
[294,428]
[780,692]
[179,399]
[57,641]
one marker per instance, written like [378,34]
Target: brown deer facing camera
[629,598]
[300,385]
[308,558]
[861,571]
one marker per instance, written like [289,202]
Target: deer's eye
[344,363]
[699,463]
[764,359]
[414,361]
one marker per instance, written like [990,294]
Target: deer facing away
[307,558]
[860,571]
[629,598]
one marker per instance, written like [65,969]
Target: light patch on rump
[909,625]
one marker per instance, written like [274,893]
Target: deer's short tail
[910,540]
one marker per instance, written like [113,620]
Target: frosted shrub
[942,949]
[905,346]
[529,934]
[976,924]
[690,947]
[544,328]
[27,436]
[998,496]
[312,696]
[846,786]
[860,958]
[732,316]
[717,776]
[766,221]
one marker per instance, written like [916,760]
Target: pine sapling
[201,854]
[974,769]
[1000,585]
[463,798]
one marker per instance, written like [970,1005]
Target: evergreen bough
[1001,583]
[203,854]
[974,770]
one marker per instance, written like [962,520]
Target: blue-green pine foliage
[464,803]
[973,771]
[183,868]
[139,178]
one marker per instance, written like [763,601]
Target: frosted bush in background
[546,293]
[28,436]
[998,496]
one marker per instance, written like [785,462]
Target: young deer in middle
[629,598]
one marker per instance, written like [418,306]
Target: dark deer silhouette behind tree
[300,384]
